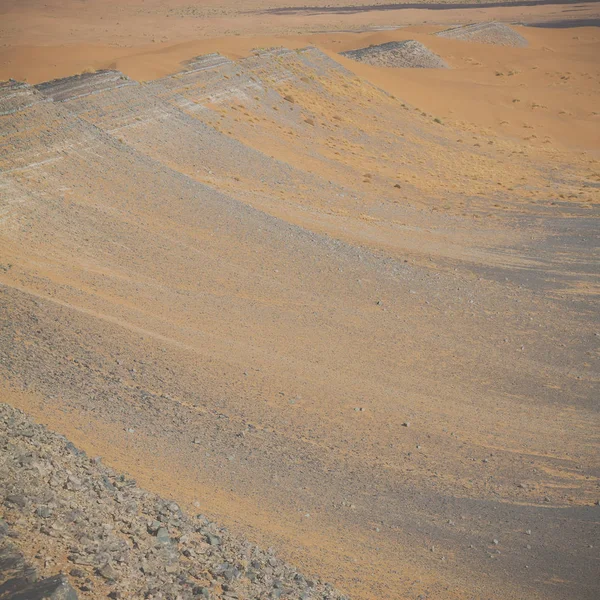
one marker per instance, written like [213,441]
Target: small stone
[107,571]
[77,573]
[107,483]
[495,542]
[16,499]
[44,512]
[73,483]
[528,532]
[162,536]
[406,424]
[213,540]
[153,527]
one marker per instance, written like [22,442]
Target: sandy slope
[267,330]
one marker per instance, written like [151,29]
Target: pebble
[17,499]
[162,536]
[107,571]
[213,540]
[44,511]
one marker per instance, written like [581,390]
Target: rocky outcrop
[406,54]
[485,33]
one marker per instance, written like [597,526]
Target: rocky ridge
[70,523]
[485,33]
[406,54]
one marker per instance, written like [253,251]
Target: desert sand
[349,311]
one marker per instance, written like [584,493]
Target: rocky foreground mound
[73,528]
[485,33]
[407,54]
